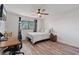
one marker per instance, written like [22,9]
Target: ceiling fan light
[39,14]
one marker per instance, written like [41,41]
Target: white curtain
[2,26]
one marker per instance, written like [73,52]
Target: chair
[16,49]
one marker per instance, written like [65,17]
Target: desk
[9,42]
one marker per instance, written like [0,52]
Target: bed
[37,36]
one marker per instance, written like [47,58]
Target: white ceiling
[30,9]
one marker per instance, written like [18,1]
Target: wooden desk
[9,42]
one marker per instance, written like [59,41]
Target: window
[24,24]
[31,24]
[27,25]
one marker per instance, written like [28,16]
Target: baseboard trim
[68,45]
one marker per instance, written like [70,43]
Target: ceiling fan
[40,12]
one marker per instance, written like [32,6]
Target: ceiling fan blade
[43,10]
[44,13]
[41,13]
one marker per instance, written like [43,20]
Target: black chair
[16,49]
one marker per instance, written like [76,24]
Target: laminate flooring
[48,48]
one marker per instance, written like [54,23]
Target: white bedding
[38,36]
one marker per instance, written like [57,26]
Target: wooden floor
[48,48]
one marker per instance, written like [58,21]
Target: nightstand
[53,37]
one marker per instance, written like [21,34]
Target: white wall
[12,24]
[66,26]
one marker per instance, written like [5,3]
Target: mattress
[38,36]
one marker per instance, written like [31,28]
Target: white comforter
[37,36]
